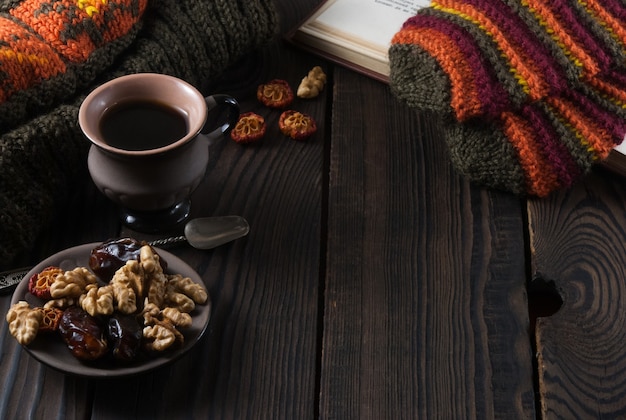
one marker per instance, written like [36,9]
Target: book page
[372,21]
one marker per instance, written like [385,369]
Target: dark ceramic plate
[50,349]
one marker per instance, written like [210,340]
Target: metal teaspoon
[200,233]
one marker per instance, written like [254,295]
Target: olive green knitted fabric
[42,151]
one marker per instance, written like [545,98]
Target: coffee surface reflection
[142,125]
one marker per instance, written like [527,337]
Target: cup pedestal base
[156,221]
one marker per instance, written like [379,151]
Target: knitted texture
[51,49]
[534,90]
[61,50]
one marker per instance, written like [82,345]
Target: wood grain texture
[425,309]
[578,240]
[375,283]
[29,389]
[258,359]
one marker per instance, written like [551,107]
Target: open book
[356,33]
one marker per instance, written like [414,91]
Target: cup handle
[228,103]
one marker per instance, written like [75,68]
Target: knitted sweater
[52,53]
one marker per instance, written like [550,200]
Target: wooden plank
[425,306]
[29,389]
[578,239]
[258,359]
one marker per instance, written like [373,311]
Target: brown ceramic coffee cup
[148,150]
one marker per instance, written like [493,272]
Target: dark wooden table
[375,282]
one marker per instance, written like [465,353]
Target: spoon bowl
[210,232]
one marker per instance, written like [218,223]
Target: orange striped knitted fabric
[43,43]
[539,85]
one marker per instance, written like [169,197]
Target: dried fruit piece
[249,129]
[125,334]
[297,125]
[50,320]
[275,94]
[82,334]
[39,284]
[312,84]
[108,257]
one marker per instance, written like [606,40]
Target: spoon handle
[166,242]
[10,279]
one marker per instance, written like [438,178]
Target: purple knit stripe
[494,98]
[605,119]
[554,150]
[517,32]
[581,34]
[615,7]
[614,76]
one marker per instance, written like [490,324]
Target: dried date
[125,334]
[82,334]
[108,257]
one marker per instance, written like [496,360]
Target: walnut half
[312,84]
[24,322]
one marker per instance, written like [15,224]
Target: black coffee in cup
[142,125]
[150,145]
